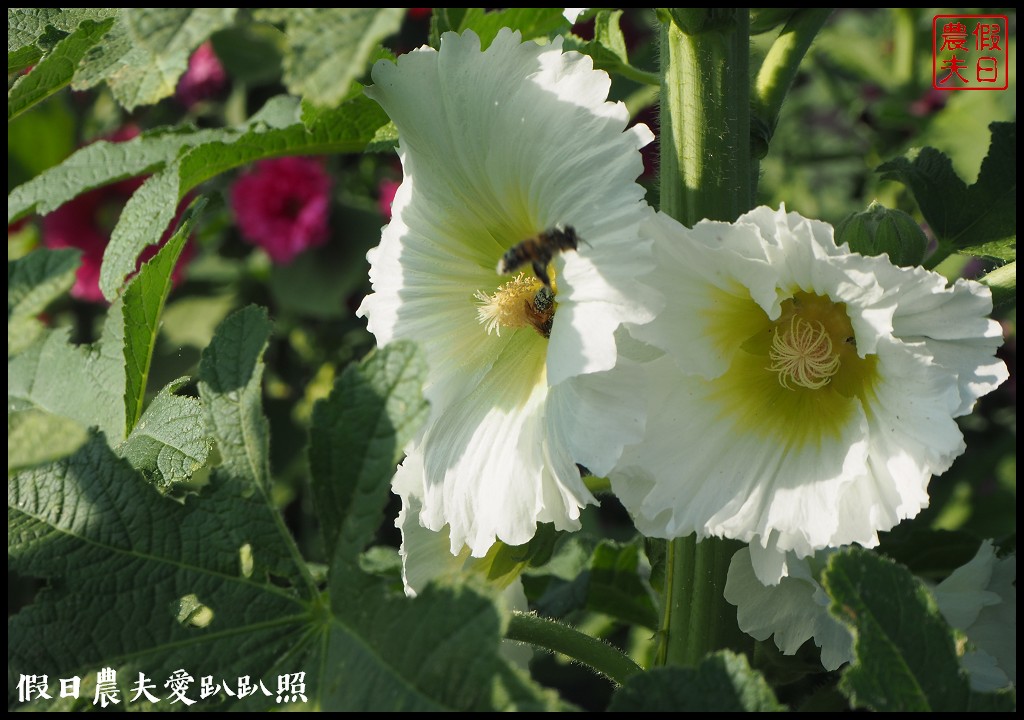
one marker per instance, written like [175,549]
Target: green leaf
[616,587]
[530,22]
[170,442]
[328,48]
[128,562]
[56,69]
[147,50]
[35,437]
[905,654]
[230,374]
[1003,281]
[26,25]
[436,652]
[723,682]
[344,129]
[143,302]
[608,48]
[251,54]
[33,282]
[358,435]
[83,383]
[22,58]
[980,219]
[102,163]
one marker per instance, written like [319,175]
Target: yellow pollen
[509,306]
[802,355]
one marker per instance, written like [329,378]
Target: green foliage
[143,303]
[358,436]
[344,129]
[35,437]
[56,68]
[980,219]
[169,443]
[33,282]
[83,383]
[328,48]
[147,50]
[608,48]
[723,682]
[905,653]
[530,22]
[28,26]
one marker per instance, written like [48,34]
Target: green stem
[602,657]
[696,619]
[705,121]
[778,70]
[706,172]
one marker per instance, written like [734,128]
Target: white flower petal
[794,611]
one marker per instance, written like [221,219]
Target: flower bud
[880,230]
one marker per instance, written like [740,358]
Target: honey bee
[540,313]
[539,250]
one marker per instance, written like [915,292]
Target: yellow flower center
[796,379]
[802,355]
[521,302]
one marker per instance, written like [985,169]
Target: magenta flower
[282,206]
[85,223]
[204,79]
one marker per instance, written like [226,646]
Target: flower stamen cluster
[802,355]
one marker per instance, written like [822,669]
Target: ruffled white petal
[980,598]
[794,611]
[720,457]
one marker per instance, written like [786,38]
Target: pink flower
[386,189]
[86,222]
[204,79]
[282,206]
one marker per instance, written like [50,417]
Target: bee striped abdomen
[538,251]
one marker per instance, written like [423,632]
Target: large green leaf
[55,69]
[25,26]
[215,585]
[328,48]
[143,302]
[723,682]
[147,50]
[133,572]
[102,163]
[980,219]
[905,653]
[33,282]
[358,435]
[438,652]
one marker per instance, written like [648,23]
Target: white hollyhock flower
[498,147]
[807,394]
[979,598]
